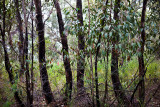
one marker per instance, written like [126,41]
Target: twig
[49,15]
[70,4]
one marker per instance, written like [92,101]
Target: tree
[7,61]
[21,38]
[96,57]
[119,92]
[27,74]
[81,47]
[42,63]
[140,57]
[66,59]
[32,74]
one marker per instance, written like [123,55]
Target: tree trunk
[7,61]
[91,62]
[32,74]
[21,38]
[96,58]
[119,92]
[81,46]
[106,76]
[42,63]
[26,58]
[140,57]
[66,59]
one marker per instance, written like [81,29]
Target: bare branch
[70,4]
[48,15]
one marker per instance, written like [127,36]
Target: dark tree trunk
[66,59]
[96,58]
[42,63]
[140,57]
[7,61]
[32,74]
[119,92]
[81,46]
[9,71]
[21,38]
[106,76]
[29,102]
[26,58]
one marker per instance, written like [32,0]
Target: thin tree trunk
[106,75]
[119,92]
[21,38]
[32,74]
[91,62]
[66,59]
[106,82]
[92,81]
[26,57]
[96,58]
[96,75]
[27,71]
[7,61]
[47,92]
[140,57]
[81,47]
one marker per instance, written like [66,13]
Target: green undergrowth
[56,73]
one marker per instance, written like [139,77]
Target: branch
[49,15]
[70,4]
[1,30]
[132,97]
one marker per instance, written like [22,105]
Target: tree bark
[8,66]
[21,38]
[140,57]
[119,92]
[81,47]
[66,59]
[32,74]
[42,63]
[27,75]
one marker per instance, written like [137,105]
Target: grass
[57,77]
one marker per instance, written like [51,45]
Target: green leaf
[77,9]
[106,27]
[110,34]
[106,35]
[128,18]
[127,34]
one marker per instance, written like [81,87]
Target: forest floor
[7,99]
[152,95]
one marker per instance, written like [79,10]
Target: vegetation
[90,53]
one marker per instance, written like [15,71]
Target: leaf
[28,61]
[106,27]
[98,44]
[127,34]
[110,34]
[128,18]
[77,9]
[106,35]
